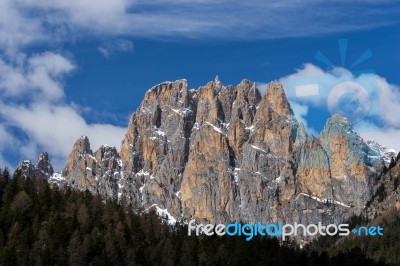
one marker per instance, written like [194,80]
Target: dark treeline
[40,225]
[383,249]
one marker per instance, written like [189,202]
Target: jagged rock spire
[42,169]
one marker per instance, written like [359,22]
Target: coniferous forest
[44,225]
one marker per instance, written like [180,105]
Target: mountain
[221,154]
[387,195]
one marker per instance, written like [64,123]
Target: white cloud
[388,136]
[6,143]
[300,111]
[306,71]
[17,29]
[309,75]
[262,87]
[33,103]
[112,47]
[389,98]
[47,125]
[39,76]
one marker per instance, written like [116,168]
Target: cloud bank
[34,115]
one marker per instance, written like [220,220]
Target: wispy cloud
[112,47]
[23,22]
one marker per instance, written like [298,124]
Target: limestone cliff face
[98,172]
[221,154]
[355,167]
[387,196]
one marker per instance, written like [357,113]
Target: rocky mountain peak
[338,125]
[44,165]
[301,134]
[26,167]
[82,145]
[98,172]
[217,81]
[108,156]
[42,169]
[275,96]
[80,148]
[165,89]
[386,153]
[350,162]
[339,118]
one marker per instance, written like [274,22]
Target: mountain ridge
[220,154]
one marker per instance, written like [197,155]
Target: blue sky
[81,67]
